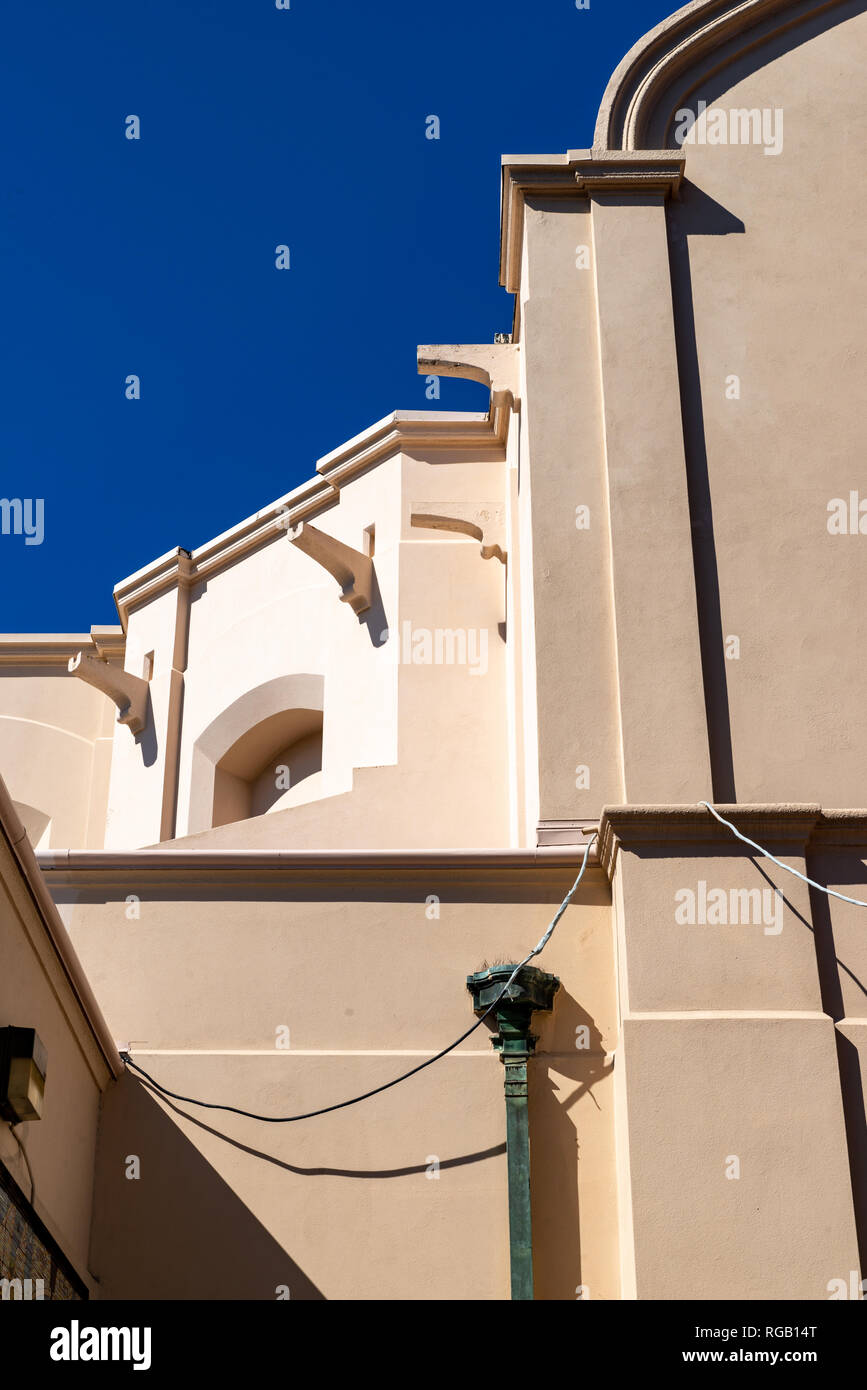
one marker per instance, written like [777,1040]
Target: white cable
[789,870]
[543,940]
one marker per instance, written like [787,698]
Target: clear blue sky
[156,257]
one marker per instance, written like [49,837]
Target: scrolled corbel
[352,570]
[496,365]
[129,692]
[483,529]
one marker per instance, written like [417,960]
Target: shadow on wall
[835,973]
[698,215]
[375,619]
[556,1151]
[179,1231]
[852,1081]
[147,741]
[151,1241]
[406,1171]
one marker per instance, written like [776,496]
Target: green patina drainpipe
[531,990]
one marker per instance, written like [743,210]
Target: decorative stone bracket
[531,990]
[494,364]
[352,570]
[484,528]
[129,692]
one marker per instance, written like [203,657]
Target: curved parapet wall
[662,69]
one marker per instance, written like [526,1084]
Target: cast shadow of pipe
[558,1081]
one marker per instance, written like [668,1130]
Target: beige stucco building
[350,751]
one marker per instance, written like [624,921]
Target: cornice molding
[402,431]
[688,39]
[577,174]
[565,832]
[163,574]
[626,171]
[406,430]
[840,830]
[57,648]
[788,828]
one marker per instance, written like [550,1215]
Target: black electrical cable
[341,1105]
[429,1061]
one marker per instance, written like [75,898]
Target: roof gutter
[543,856]
[16,836]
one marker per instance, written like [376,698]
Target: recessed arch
[283,713]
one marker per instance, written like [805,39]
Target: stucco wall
[740,1106]
[416,687]
[368,981]
[768,255]
[55,750]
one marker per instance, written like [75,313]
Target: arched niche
[238,760]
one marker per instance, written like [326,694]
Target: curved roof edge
[675,46]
